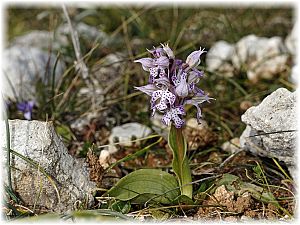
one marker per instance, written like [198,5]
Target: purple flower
[168,51]
[197,100]
[156,66]
[147,63]
[26,107]
[156,52]
[193,59]
[147,89]
[165,96]
[181,85]
[172,115]
[172,84]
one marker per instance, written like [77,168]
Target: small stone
[271,127]
[295,75]
[215,157]
[223,196]
[39,142]
[218,58]
[83,121]
[245,105]
[126,133]
[232,146]
[104,158]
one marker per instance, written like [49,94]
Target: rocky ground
[82,135]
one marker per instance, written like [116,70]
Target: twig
[274,132]
[75,40]
[79,59]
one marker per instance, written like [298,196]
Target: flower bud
[168,51]
[193,59]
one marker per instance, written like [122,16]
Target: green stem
[186,183]
[180,163]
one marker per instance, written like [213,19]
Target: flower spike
[172,84]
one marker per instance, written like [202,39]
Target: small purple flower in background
[26,108]
[172,84]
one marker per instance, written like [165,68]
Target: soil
[226,206]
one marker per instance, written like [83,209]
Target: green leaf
[160,215]
[64,131]
[227,179]
[122,207]
[183,199]
[146,185]
[180,163]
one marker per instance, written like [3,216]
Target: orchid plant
[171,86]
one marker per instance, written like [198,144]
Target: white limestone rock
[218,58]
[271,127]
[41,39]
[23,66]
[39,142]
[126,133]
[261,57]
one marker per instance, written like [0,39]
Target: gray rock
[261,57]
[109,70]
[276,113]
[41,39]
[126,133]
[219,57]
[85,32]
[23,66]
[61,37]
[39,142]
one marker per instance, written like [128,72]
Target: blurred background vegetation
[184,28]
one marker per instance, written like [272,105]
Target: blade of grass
[134,155]
[99,212]
[8,152]
[281,169]
[53,86]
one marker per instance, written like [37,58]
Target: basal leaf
[122,207]
[146,185]
[183,199]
